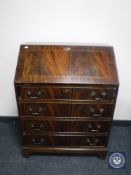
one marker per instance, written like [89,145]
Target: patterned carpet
[12,162]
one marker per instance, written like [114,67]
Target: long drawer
[77,93]
[64,140]
[66,110]
[64,125]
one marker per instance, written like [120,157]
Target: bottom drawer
[64,140]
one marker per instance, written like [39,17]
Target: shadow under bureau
[66,97]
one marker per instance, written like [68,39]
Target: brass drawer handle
[92,144]
[38,141]
[35,127]
[34,97]
[100,112]
[36,113]
[88,141]
[94,130]
[90,126]
[98,98]
[96,115]
[94,95]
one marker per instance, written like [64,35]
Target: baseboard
[115,122]
[121,122]
[8,119]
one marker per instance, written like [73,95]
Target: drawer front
[64,140]
[40,126]
[90,93]
[66,110]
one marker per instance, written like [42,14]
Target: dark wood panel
[66,140]
[77,93]
[66,110]
[66,64]
[63,125]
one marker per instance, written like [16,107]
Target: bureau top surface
[62,64]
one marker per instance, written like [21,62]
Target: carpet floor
[12,162]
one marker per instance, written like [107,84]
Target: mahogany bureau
[66,97]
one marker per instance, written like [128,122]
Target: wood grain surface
[66,64]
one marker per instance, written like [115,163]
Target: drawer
[64,140]
[66,110]
[64,125]
[88,93]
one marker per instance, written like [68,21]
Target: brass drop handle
[103,94]
[94,130]
[38,141]
[98,98]
[96,115]
[92,110]
[34,97]
[101,110]
[92,143]
[36,127]
[36,113]
[88,141]
[93,95]
[90,126]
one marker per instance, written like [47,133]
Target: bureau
[66,97]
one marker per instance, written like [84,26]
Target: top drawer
[76,93]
